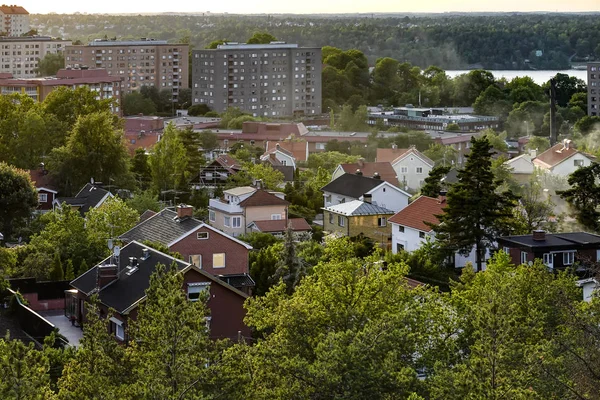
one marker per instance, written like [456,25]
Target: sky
[306,6]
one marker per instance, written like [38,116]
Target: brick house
[200,244]
[121,284]
[556,250]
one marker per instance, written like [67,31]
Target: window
[196,288]
[400,228]
[118,328]
[578,163]
[568,258]
[236,222]
[275,216]
[196,259]
[422,235]
[381,221]
[404,170]
[211,216]
[330,218]
[42,197]
[201,235]
[219,260]
[419,170]
[227,221]
[341,220]
[506,250]
[399,247]
[547,257]
[523,257]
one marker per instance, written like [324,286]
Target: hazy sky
[306,6]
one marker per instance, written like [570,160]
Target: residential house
[356,218]
[200,244]
[556,250]
[383,169]
[239,207]
[45,189]
[350,187]
[279,226]
[288,171]
[90,196]
[287,152]
[521,167]
[259,133]
[562,159]
[217,172]
[121,283]
[590,287]
[411,166]
[460,142]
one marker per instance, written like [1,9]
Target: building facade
[273,80]
[144,62]
[593,85]
[15,20]
[19,56]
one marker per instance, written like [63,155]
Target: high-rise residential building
[15,20]
[145,62]
[274,80]
[593,84]
[19,56]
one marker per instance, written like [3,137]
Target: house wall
[339,171]
[581,255]
[335,199]
[567,167]
[285,159]
[263,213]
[368,226]
[521,166]
[409,239]
[411,179]
[236,255]
[219,223]
[47,205]
[387,196]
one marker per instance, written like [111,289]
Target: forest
[450,41]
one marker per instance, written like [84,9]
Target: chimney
[533,153]
[133,261]
[361,162]
[145,254]
[277,146]
[368,198]
[394,146]
[258,184]
[376,175]
[442,196]
[539,235]
[106,274]
[184,211]
[358,172]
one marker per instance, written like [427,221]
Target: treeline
[352,328]
[500,41]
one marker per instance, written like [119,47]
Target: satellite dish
[116,251]
[110,244]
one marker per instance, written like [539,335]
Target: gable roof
[416,214]
[556,155]
[41,179]
[357,207]
[389,155]
[384,169]
[228,162]
[286,170]
[214,230]
[417,154]
[352,185]
[163,227]
[557,241]
[89,197]
[128,291]
[296,149]
[13,10]
[280,225]
[263,198]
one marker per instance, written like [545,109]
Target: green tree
[433,182]
[290,268]
[134,104]
[453,127]
[111,220]
[476,213]
[142,201]
[538,143]
[213,45]
[263,265]
[584,195]
[168,161]
[57,272]
[261,38]
[18,199]
[442,155]
[329,160]
[50,64]
[83,267]
[271,178]
[69,271]
[587,124]
[198,110]
[140,168]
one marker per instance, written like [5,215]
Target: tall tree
[50,64]
[111,220]
[584,195]
[261,38]
[18,198]
[168,161]
[433,182]
[476,213]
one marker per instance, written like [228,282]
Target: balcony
[218,204]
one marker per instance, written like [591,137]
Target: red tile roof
[229,163]
[280,225]
[384,169]
[136,140]
[13,10]
[555,155]
[413,284]
[41,179]
[389,155]
[263,198]
[424,209]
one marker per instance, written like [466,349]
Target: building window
[275,216]
[404,170]
[195,290]
[330,218]
[341,220]
[400,229]
[506,250]
[236,222]
[219,260]
[381,221]
[42,197]
[211,216]
[227,221]
[201,235]
[419,170]
[196,259]
[523,257]
[422,235]
[547,258]
[119,330]
[568,258]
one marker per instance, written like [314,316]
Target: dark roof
[163,227]
[237,280]
[263,198]
[145,215]
[280,225]
[384,169]
[89,197]
[128,290]
[557,241]
[352,185]
[286,170]
[451,177]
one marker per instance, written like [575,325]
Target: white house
[562,159]
[410,230]
[411,166]
[349,187]
[589,286]
[284,156]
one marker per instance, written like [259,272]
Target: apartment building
[274,80]
[19,56]
[593,84]
[145,62]
[15,20]
[98,80]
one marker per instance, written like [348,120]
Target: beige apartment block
[19,56]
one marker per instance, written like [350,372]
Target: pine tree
[83,267]
[476,213]
[290,267]
[69,271]
[433,183]
[57,273]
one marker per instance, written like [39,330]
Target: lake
[538,76]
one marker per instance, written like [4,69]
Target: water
[540,77]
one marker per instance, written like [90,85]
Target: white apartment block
[15,20]
[19,56]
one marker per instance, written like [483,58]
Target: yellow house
[358,217]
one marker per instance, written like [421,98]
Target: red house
[46,191]
[121,284]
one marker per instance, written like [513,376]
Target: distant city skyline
[308,6]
